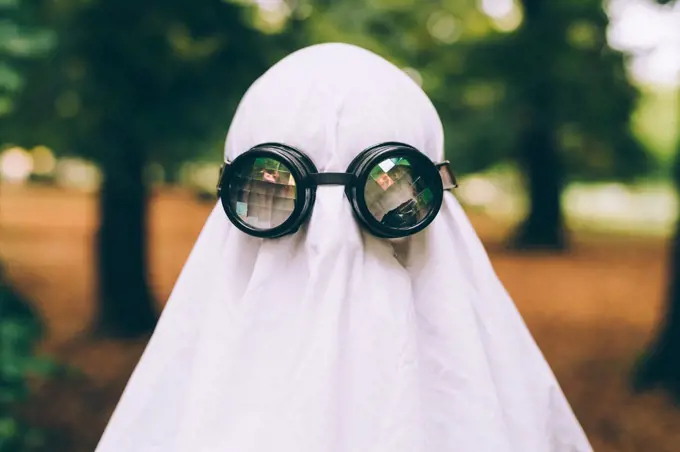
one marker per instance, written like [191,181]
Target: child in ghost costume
[332,336]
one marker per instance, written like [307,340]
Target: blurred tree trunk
[539,153]
[539,157]
[126,307]
[171,170]
[660,366]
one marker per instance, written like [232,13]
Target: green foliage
[175,76]
[482,80]
[20,329]
[166,86]
[656,122]
[20,45]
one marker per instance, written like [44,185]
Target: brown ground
[591,312]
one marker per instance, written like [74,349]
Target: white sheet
[331,340]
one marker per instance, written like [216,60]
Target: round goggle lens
[397,194]
[262,192]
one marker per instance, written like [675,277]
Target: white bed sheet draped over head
[330,340]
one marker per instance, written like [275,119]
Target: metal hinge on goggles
[394,189]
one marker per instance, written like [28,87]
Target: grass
[591,311]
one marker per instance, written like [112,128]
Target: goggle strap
[219,178]
[446,173]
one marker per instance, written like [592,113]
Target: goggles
[394,189]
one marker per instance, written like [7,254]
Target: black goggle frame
[440,177]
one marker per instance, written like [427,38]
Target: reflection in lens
[262,192]
[397,194]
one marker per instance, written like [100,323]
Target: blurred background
[561,118]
